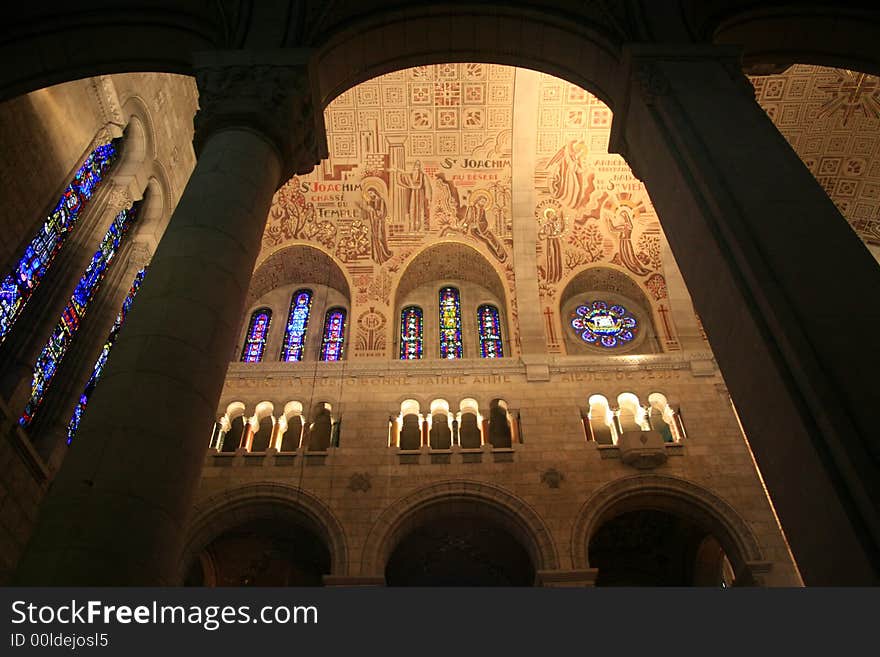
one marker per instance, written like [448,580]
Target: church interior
[567,296]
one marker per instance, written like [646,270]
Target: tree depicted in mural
[292,217]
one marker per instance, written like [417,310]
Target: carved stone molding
[119,198]
[359,481]
[273,96]
[105,93]
[552,478]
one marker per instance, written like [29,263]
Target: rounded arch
[508,510]
[671,495]
[585,49]
[449,260]
[222,512]
[297,263]
[622,288]
[773,38]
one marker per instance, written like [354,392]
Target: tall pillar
[116,512]
[783,287]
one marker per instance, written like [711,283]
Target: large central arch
[479,498]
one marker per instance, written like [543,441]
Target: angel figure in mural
[570,182]
[475,221]
[376,212]
[419,197]
[622,224]
[551,232]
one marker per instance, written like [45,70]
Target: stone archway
[676,497]
[224,511]
[475,499]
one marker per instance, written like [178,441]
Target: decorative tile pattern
[831,117]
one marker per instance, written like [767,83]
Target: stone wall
[554,472]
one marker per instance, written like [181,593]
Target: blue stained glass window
[62,336]
[297,324]
[595,323]
[489,323]
[258,331]
[450,323]
[334,335]
[16,287]
[411,327]
[101,363]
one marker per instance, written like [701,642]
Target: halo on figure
[372,184]
[477,194]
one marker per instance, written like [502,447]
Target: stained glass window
[334,335]
[600,324]
[16,288]
[450,323]
[101,363]
[258,330]
[297,324]
[62,336]
[490,332]
[411,327]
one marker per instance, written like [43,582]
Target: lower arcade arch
[459,534]
[652,530]
[262,535]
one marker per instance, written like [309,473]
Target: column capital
[273,93]
[642,74]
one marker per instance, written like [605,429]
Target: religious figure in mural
[570,183]
[376,212]
[475,221]
[622,224]
[551,232]
[419,198]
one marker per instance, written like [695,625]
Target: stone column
[783,286]
[533,341]
[115,515]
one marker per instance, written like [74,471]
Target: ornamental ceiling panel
[831,118]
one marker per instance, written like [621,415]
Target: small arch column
[115,512]
[749,226]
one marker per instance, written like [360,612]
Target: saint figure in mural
[419,198]
[622,224]
[476,222]
[376,212]
[551,232]
[570,183]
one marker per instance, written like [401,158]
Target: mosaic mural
[831,117]
[416,157]
[590,208]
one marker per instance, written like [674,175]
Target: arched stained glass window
[101,363]
[258,331]
[450,323]
[490,332]
[297,324]
[411,327]
[16,287]
[334,335]
[62,336]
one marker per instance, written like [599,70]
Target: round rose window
[600,324]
